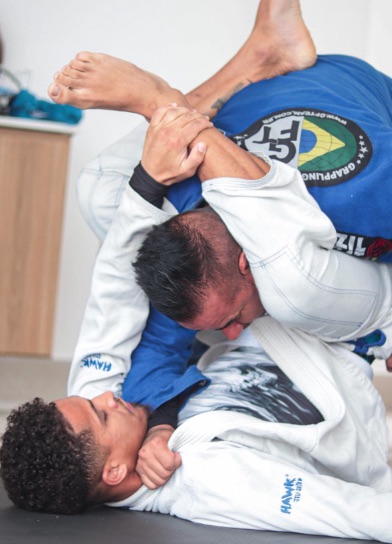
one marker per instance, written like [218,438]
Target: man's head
[194,272]
[67,455]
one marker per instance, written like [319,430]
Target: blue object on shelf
[24,104]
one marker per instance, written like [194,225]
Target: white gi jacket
[289,243]
[301,281]
[330,478]
[327,479]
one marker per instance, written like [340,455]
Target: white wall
[182,40]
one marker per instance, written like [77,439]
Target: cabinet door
[33,169]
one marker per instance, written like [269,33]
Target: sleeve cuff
[146,186]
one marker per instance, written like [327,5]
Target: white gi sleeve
[103,180]
[117,308]
[223,484]
[288,242]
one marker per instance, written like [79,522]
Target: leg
[279,42]
[95,80]
[143,93]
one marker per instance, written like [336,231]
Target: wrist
[157,178]
[160,429]
[147,187]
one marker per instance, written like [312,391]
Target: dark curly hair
[45,465]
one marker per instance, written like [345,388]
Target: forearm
[226,159]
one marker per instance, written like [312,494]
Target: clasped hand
[166,155]
[156,462]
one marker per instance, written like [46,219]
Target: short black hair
[175,266]
[45,466]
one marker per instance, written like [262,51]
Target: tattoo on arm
[217,105]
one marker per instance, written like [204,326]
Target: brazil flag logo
[326,148]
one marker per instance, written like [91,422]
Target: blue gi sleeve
[160,370]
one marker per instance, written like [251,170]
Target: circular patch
[327,149]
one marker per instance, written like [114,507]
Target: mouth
[133,407]
[126,405]
[129,406]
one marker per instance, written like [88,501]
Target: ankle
[167,96]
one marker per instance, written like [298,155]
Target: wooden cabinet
[33,168]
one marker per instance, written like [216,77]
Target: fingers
[180,117]
[160,113]
[167,114]
[178,127]
[192,127]
[167,156]
[194,159]
[155,472]
[156,462]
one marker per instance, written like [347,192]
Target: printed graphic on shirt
[247,381]
[327,149]
[292,493]
[96,362]
[362,246]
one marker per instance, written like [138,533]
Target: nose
[108,399]
[233,330]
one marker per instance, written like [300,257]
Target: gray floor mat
[108,525]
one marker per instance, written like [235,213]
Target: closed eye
[102,415]
[228,323]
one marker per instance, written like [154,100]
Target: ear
[114,473]
[243,264]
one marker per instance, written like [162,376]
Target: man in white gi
[307,452]
[298,447]
[351,300]
[295,276]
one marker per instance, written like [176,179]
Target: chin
[146,409]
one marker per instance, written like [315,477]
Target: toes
[77,65]
[84,56]
[67,81]
[56,93]
[72,70]
[64,95]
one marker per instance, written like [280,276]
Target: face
[118,426]
[230,309]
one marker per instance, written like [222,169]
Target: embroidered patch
[327,149]
[362,246]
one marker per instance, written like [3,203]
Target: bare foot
[279,43]
[95,80]
[280,39]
